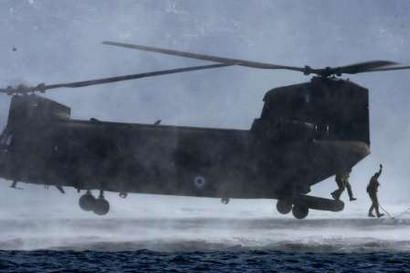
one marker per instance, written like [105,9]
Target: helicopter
[306,133]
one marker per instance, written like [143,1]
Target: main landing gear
[284,206]
[225,200]
[99,206]
[299,211]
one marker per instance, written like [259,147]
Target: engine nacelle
[30,110]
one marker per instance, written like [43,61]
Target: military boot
[336,194]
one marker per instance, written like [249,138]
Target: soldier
[342,180]
[372,190]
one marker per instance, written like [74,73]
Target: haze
[60,41]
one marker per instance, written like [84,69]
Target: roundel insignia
[199,181]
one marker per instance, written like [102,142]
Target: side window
[9,140]
[6,139]
[307,98]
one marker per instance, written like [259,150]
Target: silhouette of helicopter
[306,133]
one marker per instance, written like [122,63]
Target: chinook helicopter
[306,133]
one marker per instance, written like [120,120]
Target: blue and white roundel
[199,181]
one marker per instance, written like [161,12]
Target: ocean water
[47,232]
[169,244]
[198,261]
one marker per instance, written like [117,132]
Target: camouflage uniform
[372,190]
[342,180]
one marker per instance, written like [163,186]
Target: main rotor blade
[361,67]
[21,89]
[134,76]
[390,68]
[347,69]
[206,57]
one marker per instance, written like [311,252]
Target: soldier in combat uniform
[342,180]
[372,190]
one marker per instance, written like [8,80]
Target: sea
[144,233]
[205,245]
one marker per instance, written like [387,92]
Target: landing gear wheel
[123,195]
[101,206]
[86,201]
[300,211]
[225,200]
[284,206]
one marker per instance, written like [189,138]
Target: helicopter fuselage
[305,134]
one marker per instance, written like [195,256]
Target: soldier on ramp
[342,180]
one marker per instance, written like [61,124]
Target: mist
[60,41]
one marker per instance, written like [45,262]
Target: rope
[386,211]
[398,215]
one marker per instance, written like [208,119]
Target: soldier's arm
[380,170]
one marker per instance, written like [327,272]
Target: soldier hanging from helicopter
[342,180]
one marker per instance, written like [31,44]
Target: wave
[206,234]
[204,246]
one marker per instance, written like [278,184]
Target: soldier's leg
[371,210]
[376,206]
[336,194]
[340,185]
[372,207]
[349,191]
